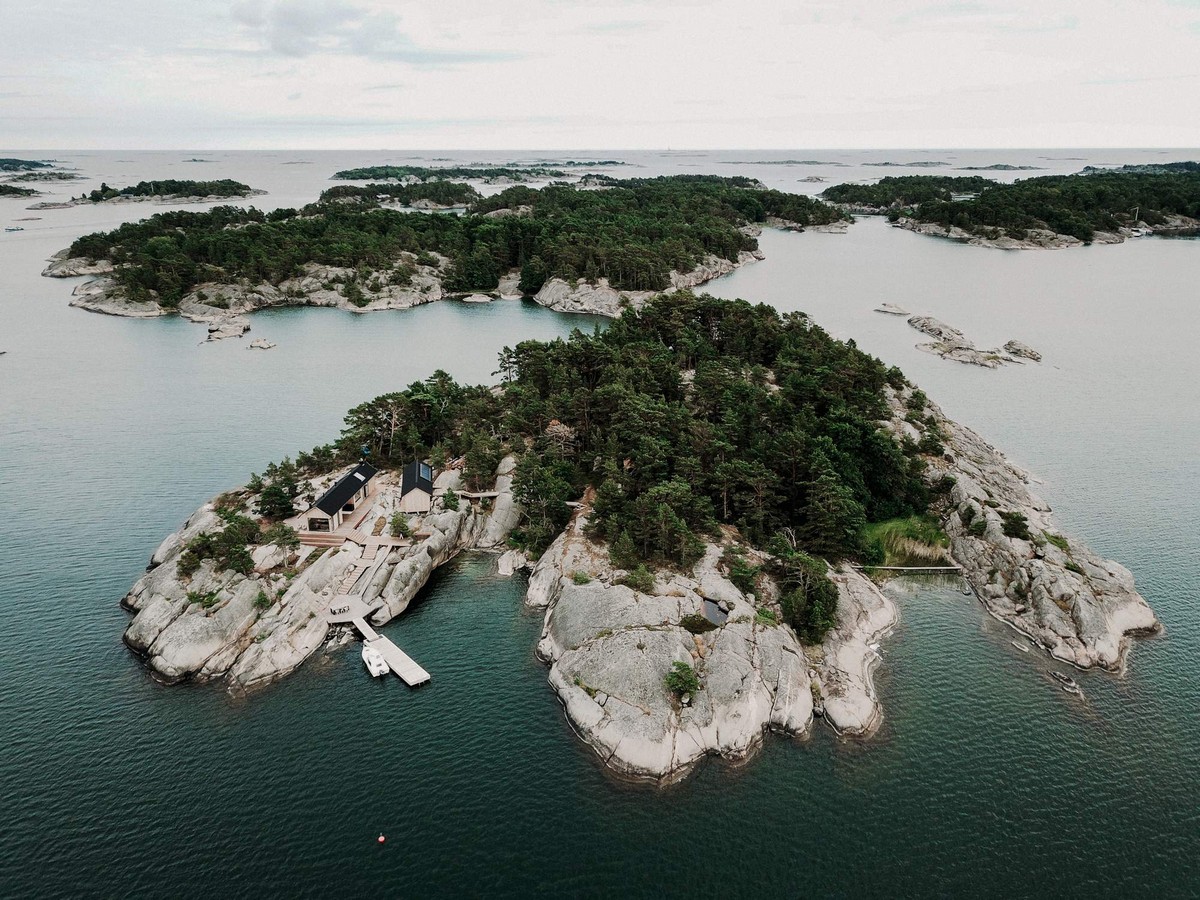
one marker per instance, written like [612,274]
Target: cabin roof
[344,488]
[417,475]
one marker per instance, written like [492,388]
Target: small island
[173,190]
[699,491]
[570,248]
[512,174]
[1052,211]
[12,164]
[10,190]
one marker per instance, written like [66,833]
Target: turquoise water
[985,779]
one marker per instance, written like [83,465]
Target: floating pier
[403,665]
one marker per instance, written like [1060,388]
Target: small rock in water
[261,344]
[1016,348]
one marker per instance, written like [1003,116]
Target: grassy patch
[912,541]
[1058,541]
[766,617]
[581,577]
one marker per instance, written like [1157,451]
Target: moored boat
[374,661]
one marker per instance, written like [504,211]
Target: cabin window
[318,524]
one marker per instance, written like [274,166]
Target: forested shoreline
[634,233]
[1079,206]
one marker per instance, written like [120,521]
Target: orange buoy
[382,839]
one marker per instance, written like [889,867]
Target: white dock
[398,661]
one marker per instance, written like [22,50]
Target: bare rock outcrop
[610,649]
[1082,608]
[601,299]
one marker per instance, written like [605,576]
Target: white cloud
[597,73]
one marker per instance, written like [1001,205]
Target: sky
[578,74]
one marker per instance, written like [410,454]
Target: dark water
[985,779]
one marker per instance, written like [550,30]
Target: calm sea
[985,779]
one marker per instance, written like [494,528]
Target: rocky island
[571,249]
[696,495]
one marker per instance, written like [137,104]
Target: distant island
[420,195]
[9,190]
[924,164]
[999,167]
[697,503]
[10,164]
[171,189]
[486,174]
[590,251]
[1047,211]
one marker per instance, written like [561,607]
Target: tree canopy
[1076,205]
[633,233]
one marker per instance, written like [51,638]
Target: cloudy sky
[571,74]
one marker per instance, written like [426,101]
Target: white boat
[374,661]
[15,228]
[1024,648]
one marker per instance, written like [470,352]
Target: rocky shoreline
[610,647]
[170,199]
[1081,608]
[256,628]
[223,307]
[1045,239]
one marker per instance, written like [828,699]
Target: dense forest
[1077,205]
[906,190]
[225,187]
[693,413]
[449,173]
[10,164]
[8,190]
[443,193]
[634,233]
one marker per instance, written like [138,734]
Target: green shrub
[450,501]
[682,679]
[581,577]
[262,601]
[400,526]
[977,527]
[740,572]
[1016,525]
[207,600]
[1074,567]
[696,623]
[640,579]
